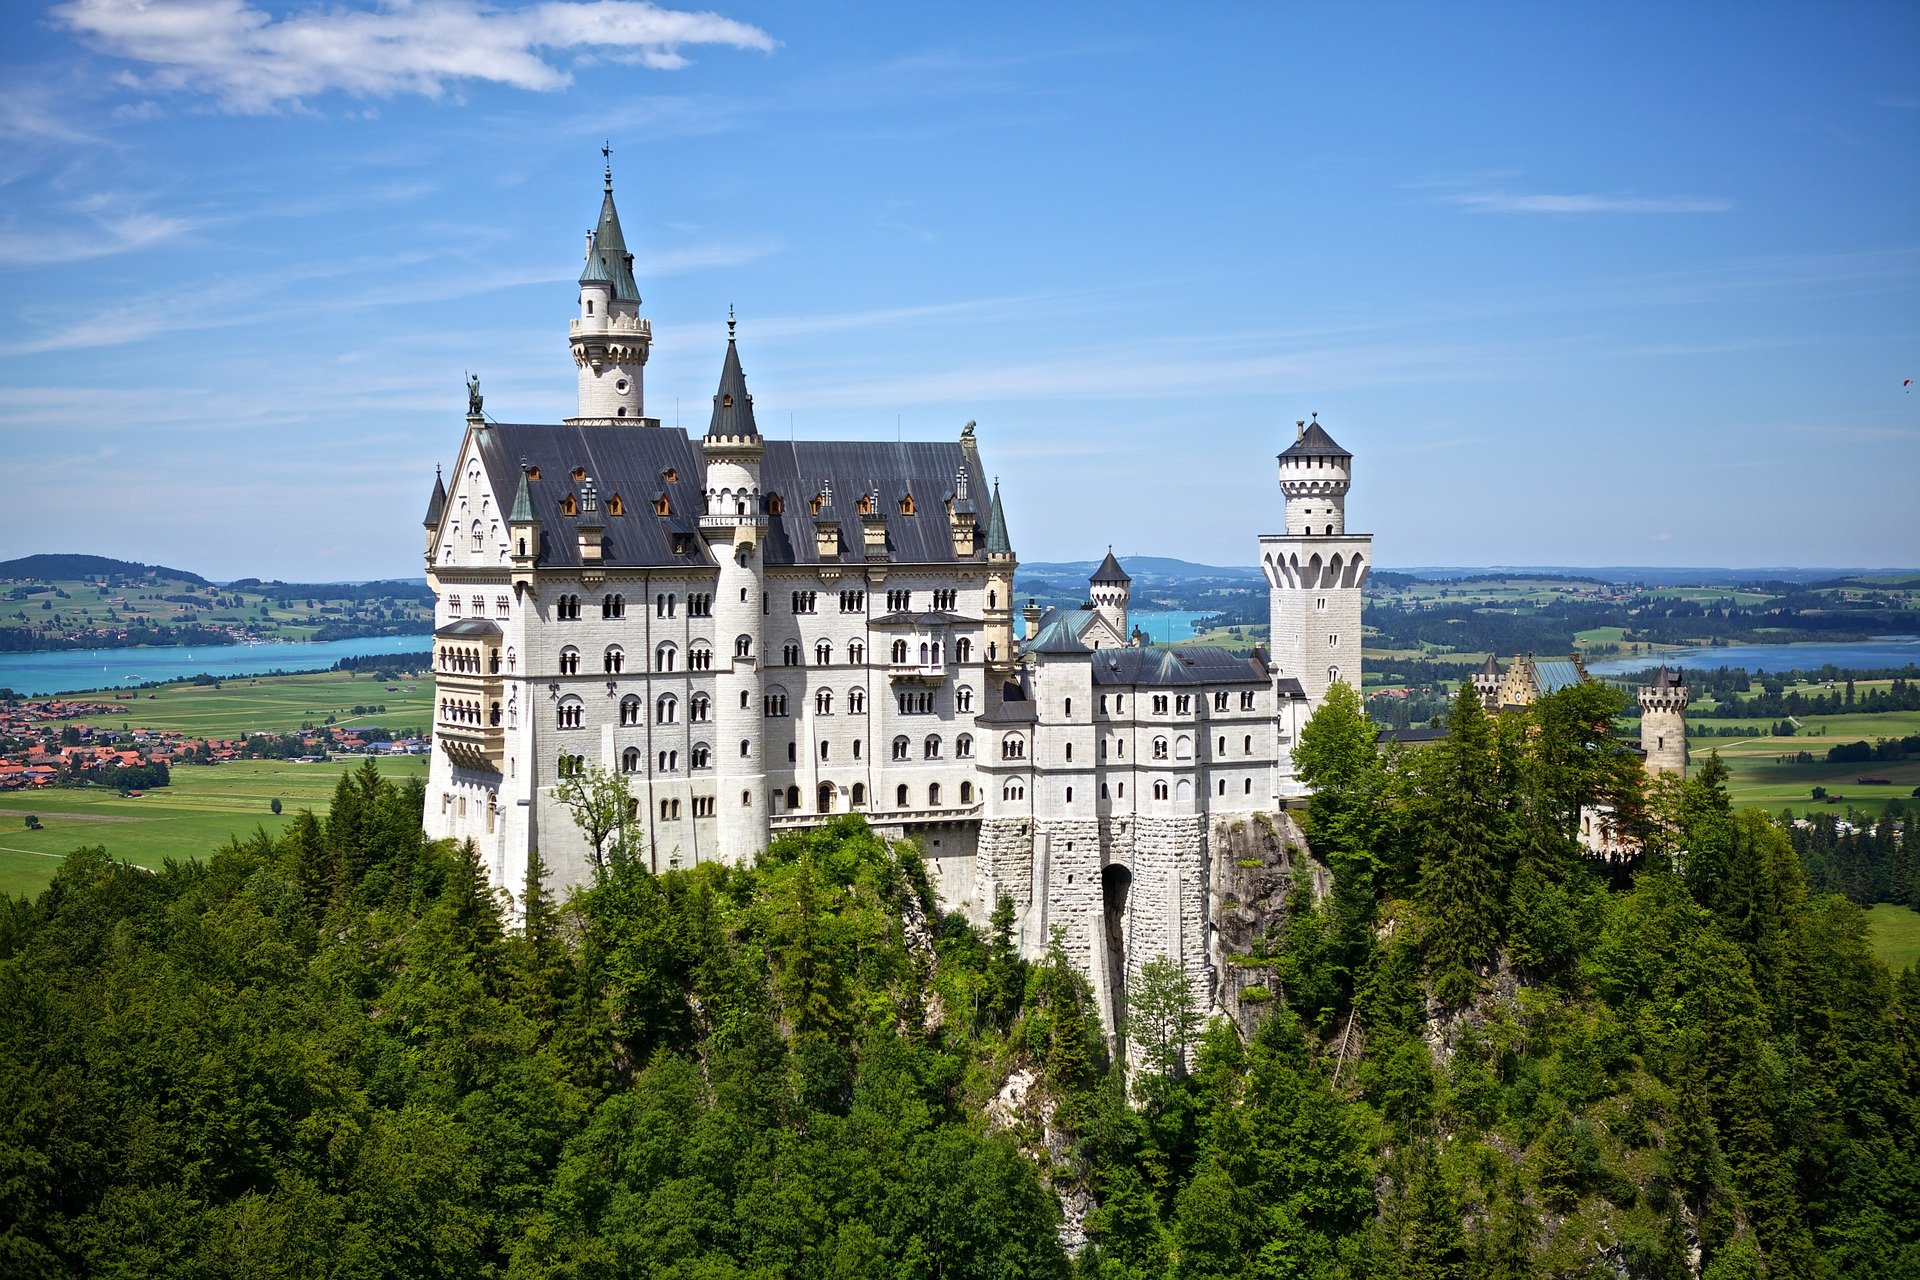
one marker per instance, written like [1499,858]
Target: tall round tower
[610,341]
[1110,589]
[735,532]
[1315,475]
[1663,722]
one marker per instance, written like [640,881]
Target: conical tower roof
[437,504]
[1110,572]
[522,501]
[732,406]
[608,259]
[998,544]
[1314,442]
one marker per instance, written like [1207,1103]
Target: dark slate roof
[1314,442]
[437,504]
[902,618]
[1109,571]
[522,512]
[468,629]
[1491,667]
[629,461]
[1014,706]
[732,406]
[1668,679]
[997,541]
[1188,665]
[610,247]
[1291,688]
[798,470]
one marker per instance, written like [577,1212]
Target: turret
[1315,474]
[523,534]
[609,339]
[962,519]
[1001,564]
[734,529]
[1663,722]
[436,508]
[1110,589]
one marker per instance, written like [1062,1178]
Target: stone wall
[1252,872]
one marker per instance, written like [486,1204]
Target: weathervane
[606,153]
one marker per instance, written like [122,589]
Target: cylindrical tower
[1663,722]
[734,530]
[1110,588]
[610,341]
[1314,476]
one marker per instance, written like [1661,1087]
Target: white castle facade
[759,635]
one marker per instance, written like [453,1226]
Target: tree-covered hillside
[325,1055]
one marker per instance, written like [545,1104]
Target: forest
[328,1054]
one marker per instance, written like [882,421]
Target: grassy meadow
[272,704]
[204,805]
[1895,932]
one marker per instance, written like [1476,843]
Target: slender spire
[436,505]
[609,245]
[732,406]
[522,501]
[606,153]
[1110,572]
[998,544]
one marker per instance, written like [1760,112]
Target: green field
[205,805]
[267,612]
[1896,934]
[272,704]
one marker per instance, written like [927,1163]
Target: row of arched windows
[930,747]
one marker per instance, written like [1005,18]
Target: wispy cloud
[251,62]
[1515,202]
[97,227]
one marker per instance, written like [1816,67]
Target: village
[56,742]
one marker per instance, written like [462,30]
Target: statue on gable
[966,432]
[474,398]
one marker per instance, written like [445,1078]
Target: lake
[74,670]
[1880,651]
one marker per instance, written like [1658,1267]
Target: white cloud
[253,62]
[111,225]
[1509,202]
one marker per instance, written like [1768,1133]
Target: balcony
[472,746]
[880,817]
[625,326]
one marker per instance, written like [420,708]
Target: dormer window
[906,504]
[662,506]
[726,402]
[615,507]
[533,473]
[819,501]
[866,504]
[670,475]
[775,507]
[568,506]
[579,474]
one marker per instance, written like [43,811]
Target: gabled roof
[1553,675]
[437,504]
[732,406]
[997,541]
[1314,442]
[1109,572]
[1057,637]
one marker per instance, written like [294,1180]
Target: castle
[759,635]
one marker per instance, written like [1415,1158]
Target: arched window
[571,713]
[513,660]
[664,656]
[856,652]
[901,746]
[857,700]
[966,793]
[614,659]
[701,757]
[933,795]
[899,651]
[1333,675]
[822,654]
[963,747]
[823,797]
[743,647]
[900,796]
[569,661]
[793,798]
[746,751]
[963,698]
[700,657]
[479,537]
[932,747]
[924,653]
[1069,795]
[859,794]
[1014,790]
[630,710]
[630,760]
[823,702]
[698,708]
[613,606]
[666,709]
[1160,789]
[963,650]
[1249,744]
[1013,747]
[1159,748]
[826,749]
[790,654]
[1183,748]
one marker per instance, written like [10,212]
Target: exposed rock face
[1252,873]
[1028,1114]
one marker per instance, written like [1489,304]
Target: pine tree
[1466,838]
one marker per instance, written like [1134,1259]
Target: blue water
[1881,651]
[1164,626]
[73,670]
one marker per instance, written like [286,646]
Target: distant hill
[71,568]
[1148,567]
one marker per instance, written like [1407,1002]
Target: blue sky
[1614,284]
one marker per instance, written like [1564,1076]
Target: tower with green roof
[609,338]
